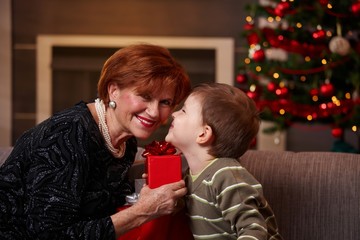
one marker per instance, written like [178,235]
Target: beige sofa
[315,195]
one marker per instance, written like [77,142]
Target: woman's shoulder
[76,120]
[75,113]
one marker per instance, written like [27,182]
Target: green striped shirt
[226,202]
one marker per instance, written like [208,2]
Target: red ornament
[282,92]
[253,95]
[296,46]
[248,26]
[327,90]
[314,92]
[241,78]
[253,38]
[337,132]
[355,8]
[281,9]
[259,55]
[271,86]
[319,35]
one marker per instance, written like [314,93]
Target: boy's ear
[206,136]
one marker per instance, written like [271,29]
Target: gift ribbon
[159,148]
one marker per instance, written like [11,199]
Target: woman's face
[140,115]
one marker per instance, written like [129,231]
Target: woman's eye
[166,102]
[146,97]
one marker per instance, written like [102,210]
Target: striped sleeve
[239,199]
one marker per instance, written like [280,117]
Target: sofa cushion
[315,195]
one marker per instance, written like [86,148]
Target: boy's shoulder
[227,167]
[226,161]
[224,164]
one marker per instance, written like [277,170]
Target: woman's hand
[162,200]
[151,204]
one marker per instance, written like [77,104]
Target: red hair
[148,68]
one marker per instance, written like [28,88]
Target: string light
[354,128]
[335,100]
[252,88]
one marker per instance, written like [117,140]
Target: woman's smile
[145,121]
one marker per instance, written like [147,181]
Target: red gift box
[162,170]
[161,165]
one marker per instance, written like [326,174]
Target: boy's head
[232,116]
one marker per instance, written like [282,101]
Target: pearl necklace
[101,112]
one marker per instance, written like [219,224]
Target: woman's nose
[153,109]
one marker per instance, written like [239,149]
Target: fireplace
[68,66]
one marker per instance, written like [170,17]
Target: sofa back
[314,195]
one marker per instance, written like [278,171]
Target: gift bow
[159,148]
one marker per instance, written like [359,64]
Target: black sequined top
[61,182]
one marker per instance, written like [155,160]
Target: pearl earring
[112,104]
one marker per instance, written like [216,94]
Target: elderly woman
[66,176]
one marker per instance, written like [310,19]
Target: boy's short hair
[232,115]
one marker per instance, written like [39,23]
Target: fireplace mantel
[223,47]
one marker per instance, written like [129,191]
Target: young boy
[213,129]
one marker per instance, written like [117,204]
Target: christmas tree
[303,63]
